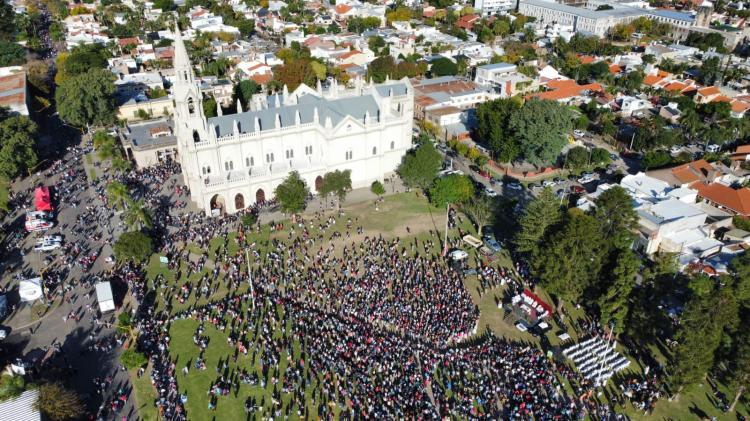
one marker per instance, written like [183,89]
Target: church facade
[230,162]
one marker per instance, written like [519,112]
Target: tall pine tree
[541,214]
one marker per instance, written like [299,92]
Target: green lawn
[145,395]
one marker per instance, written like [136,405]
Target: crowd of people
[371,327]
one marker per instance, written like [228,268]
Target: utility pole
[250,278]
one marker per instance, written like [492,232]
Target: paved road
[77,363]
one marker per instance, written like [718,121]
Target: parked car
[674,150]
[579,133]
[586,178]
[577,190]
[489,192]
[515,186]
[560,193]
[533,186]
[614,157]
[496,181]
[491,243]
[47,246]
[548,183]
[713,148]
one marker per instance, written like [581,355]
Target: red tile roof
[262,78]
[708,91]
[561,89]
[342,8]
[737,200]
[652,80]
[693,171]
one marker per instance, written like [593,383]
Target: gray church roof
[335,108]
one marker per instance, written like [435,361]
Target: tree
[479,210]
[600,157]
[381,67]
[292,193]
[540,216]
[87,99]
[17,146]
[210,107]
[338,183]
[295,73]
[133,246]
[420,166]
[377,188]
[454,188]
[701,327]
[613,304]
[37,72]
[617,218]
[569,263]
[577,158]
[656,159]
[11,386]
[118,195]
[493,118]
[132,359]
[244,92]
[137,215]
[443,67]
[739,366]
[58,403]
[11,54]
[541,129]
[7,22]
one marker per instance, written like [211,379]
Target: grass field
[391,219]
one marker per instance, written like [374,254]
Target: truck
[104,297]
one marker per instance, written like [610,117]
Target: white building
[232,161]
[596,22]
[503,77]
[491,7]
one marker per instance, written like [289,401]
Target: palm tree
[118,195]
[137,215]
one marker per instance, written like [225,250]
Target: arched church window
[196,136]
[191,106]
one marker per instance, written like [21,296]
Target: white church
[231,161]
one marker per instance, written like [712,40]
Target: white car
[713,148]
[579,133]
[489,192]
[52,239]
[457,172]
[586,178]
[47,246]
[548,183]
[675,149]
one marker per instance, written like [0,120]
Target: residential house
[504,78]
[14,92]
[567,91]
[733,200]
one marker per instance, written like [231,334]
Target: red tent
[43,200]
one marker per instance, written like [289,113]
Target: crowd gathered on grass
[369,326]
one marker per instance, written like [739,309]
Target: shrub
[131,359]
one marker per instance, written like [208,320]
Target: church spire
[181,59]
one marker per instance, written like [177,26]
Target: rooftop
[738,200]
[150,134]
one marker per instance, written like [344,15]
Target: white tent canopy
[30,289]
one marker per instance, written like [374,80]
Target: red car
[577,190]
